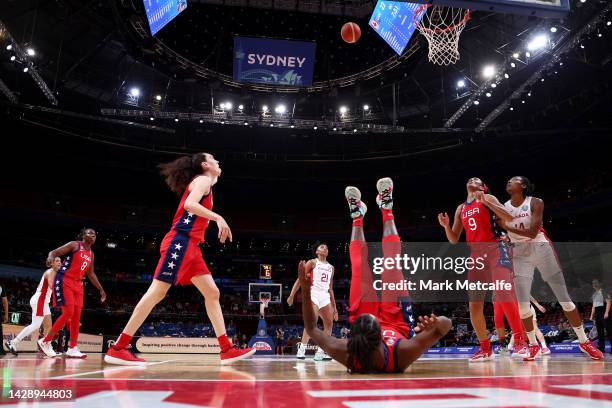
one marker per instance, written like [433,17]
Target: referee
[4,318]
[600,314]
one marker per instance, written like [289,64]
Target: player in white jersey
[533,249]
[321,296]
[40,305]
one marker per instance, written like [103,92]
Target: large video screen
[394,22]
[273,62]
[161,12]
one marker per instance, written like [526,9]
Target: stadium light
[476,103]
[488,94]
[228,105]
[222,106]
[513,65]
[493,85]
[151,118]
[538,42]
[366,107]
[201,121]
[13,58]
[488,71]
[343,110]
[461,83]
[135,92]
[335,129]
[26,69]
[9,47]
[240,107]
[506,76]
[528,54]
[264,108]
[31,52]
[280,109]
[246,123]
[176,119]
[516,55]
[315,128]
[553,29]
[158,97]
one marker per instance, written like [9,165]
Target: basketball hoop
[442,26]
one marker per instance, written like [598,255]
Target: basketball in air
[350,32]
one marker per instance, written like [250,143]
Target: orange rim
[424,7]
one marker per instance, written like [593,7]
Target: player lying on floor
[380,338]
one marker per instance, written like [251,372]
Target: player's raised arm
[334,347]
[452,234]
[494,205]
[65,249]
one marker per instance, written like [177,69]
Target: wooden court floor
[173,380]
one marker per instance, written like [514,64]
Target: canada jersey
[321,276]
[479,223]
[42,290]
[522,219]
[189,223]
[76,264]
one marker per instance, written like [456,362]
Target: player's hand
[290,300]
[479,195]
[444,220]
[426,322]
[302,275]
[224,230]
[102,295]
[335,315]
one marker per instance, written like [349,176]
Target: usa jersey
[479,223]
[322,275]
[76,264]
[189,223]
[522,219]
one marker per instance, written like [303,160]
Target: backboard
[539,8]
[272,291]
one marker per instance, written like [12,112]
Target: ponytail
[179,173]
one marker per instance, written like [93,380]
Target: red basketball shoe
[235,354]
[589,348]
[123,357]
[534,352]
[482,355]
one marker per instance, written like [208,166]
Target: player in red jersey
[380,338]
[181,259]
[68,289]
[478,217]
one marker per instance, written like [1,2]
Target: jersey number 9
[472,224]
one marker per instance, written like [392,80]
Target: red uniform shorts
[180,260]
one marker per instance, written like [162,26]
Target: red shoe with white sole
[482,355]
[235,354]
[589,348]
[534,352]
[123,357]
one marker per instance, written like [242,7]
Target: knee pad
[524,310]
[567,306]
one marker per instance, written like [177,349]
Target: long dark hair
[179,173]
[528,186]
[365,339]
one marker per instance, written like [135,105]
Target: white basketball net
[442,26]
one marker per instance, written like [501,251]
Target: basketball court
[179,380]
[142,68]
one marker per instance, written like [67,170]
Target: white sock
[582,338]
[532,338]
[543,342]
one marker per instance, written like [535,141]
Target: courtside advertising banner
[273,62]
[187,345]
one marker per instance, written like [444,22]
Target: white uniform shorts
[320,298]
[39,307]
